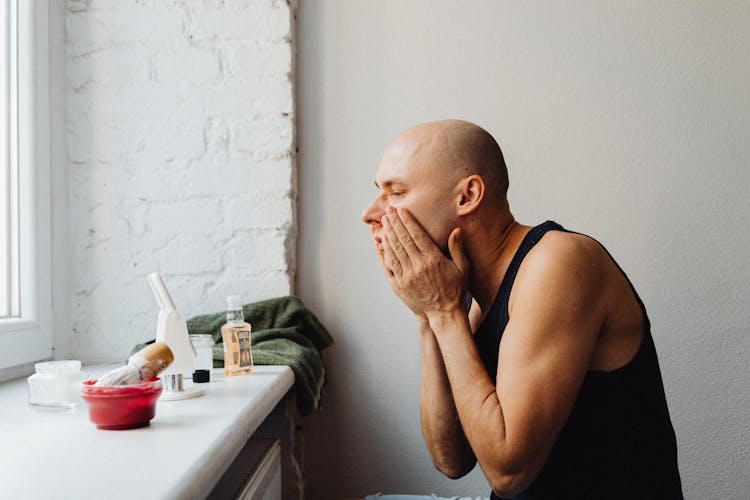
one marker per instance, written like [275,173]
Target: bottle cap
[201,376]
[234,302]
[172,382]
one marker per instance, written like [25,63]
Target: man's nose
[373,212]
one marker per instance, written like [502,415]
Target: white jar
[56,384]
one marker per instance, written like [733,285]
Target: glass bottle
[238,354]
[204,345]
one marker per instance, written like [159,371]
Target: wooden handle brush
[143,365]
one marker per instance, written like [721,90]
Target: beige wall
[627,121]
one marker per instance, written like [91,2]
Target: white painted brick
[260,60]
[272,175]
[189,255]
[237,177]
[269,285]
[267,212]
[174,138]
[74,6]
[109,66]
[129,7]
[104,141]
[264,139]
[126,103]
[251,287]
[260,251]
[217,138]
[239,98]
[140,300]
[156,139]
[106,221]
[135,211]
[214,179]
[191,217]
[246,24]
[101,178]
[143,182]
[119,260]
[180,160]
[199,66]
[87,31]
[241,4]
[127,181]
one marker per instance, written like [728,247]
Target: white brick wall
[180,158]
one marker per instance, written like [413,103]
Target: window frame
[28,338]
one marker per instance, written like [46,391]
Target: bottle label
[246,356]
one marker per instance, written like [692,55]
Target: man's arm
[545,353]
[555,317]
[441,429]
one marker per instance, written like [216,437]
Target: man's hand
[427,282]
[422,319]
[419,273]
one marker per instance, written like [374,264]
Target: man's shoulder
[563,272]
[562,260]
[561,248]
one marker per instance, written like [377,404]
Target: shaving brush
[143,365]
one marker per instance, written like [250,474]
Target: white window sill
[182,454]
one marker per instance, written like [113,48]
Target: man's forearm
[474,397]
[449,449]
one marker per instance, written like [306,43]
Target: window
[9,270]
[25,291]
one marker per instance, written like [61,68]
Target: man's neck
[490,253]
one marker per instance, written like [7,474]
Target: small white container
[204,346]
[56,384]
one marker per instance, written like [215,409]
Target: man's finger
[391,260]
[403,235]
[394,243]
[419,236]
[386,269]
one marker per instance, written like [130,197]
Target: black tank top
[618,441]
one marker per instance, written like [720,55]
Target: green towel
[284,332]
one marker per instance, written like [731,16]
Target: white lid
[63,366]
[234,302]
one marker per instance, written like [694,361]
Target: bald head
[460,149]
[448,174]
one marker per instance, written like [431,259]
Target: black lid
[201,376]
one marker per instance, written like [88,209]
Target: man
[570,404]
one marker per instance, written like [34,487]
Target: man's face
[412,179]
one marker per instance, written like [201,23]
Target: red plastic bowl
[121,406]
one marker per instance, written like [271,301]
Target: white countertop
[182,454]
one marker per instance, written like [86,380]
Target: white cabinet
[254,475]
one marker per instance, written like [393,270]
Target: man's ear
[470,194]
